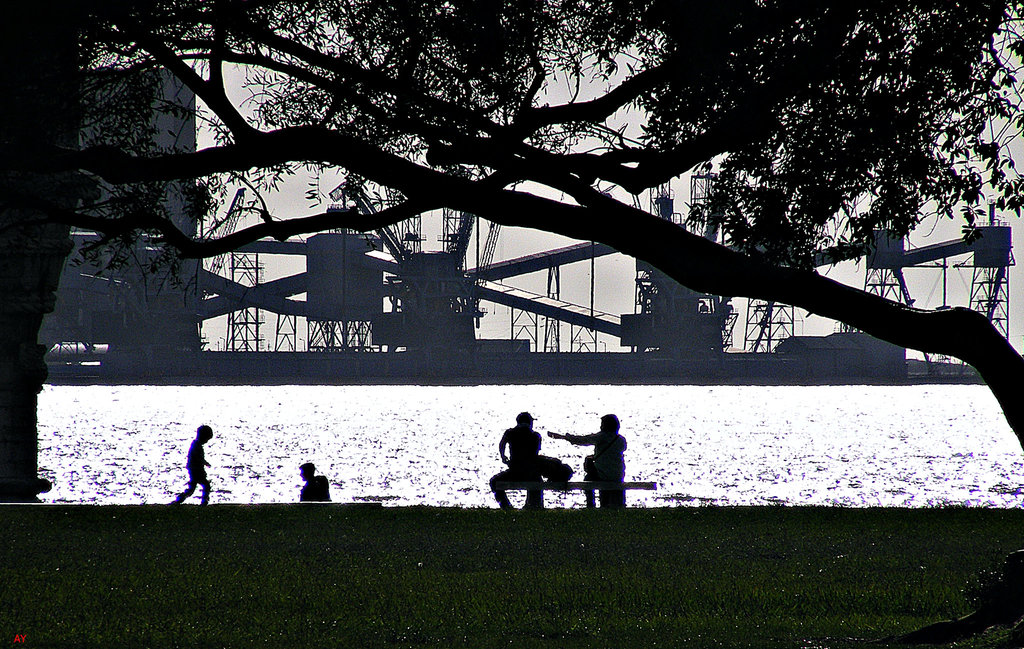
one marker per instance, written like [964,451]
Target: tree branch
[192,248]
[704,266]
[373,80]
[211,92]
[594,110]
[308,143]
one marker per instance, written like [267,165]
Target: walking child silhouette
[196,465]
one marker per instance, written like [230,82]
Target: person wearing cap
[606,462]
[316,489]
[523,448]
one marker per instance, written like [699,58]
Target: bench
[612,500]
[575,486]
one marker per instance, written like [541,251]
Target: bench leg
[613,499]
[534,500]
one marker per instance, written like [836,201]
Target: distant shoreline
[466,382]
[423,368]
[185,381]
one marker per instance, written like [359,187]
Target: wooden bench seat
[574,486]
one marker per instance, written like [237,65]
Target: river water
[905,446]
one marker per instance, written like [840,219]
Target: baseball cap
[524,418]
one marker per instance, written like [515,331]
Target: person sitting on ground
[196,465]
[606,463]
[316,489]
[523,445]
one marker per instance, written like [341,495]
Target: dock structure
[399,313]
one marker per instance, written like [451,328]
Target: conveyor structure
[989,256]
[434,299]
[421,278]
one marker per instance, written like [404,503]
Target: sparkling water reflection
[910,446]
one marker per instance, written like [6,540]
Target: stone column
[31,259]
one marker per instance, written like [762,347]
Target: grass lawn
[334,576]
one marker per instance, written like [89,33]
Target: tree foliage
[823,121]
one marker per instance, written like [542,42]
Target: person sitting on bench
[606,463]
[523,445]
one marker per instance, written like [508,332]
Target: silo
[340,286]
[887,253]
[992,249]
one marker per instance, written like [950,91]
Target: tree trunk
[1001,605]
[30,265]
[38,104]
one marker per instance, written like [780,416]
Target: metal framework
[224,228]
[339,336]
[286,333]
[700,190]
[727,329]
[991,257]
[553,327]
[990,296]
[646,290]
[888,283]
[768,324]
[646,293]
[410,234]
[545,331]
[451,229]
[524,326]
[582,339]
[700,187]
[663,204]
[244,324]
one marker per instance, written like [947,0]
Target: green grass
[238,576]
